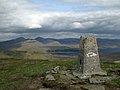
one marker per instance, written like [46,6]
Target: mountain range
[57,46]
[43,42]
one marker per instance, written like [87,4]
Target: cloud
[115,3]
[72,1]
[77,25]
[105,3]
[99,22]
[84,25]
[21,18]
[59,35]
[19,13]
[92,22]
[8,36]
[22,14]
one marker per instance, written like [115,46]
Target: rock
[55,70]
[70,76]
[80,75]
[64,68]
[74,87]
[50,77]
[98,80]
[45,89]
[63,72]
[68,70]
[74,82]
[63,77]
[47,72]
[42,78]
[31,87]
[93,87]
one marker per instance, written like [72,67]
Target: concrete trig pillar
[89,62]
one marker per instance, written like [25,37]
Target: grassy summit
[15,74]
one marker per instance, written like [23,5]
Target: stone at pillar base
[88,75]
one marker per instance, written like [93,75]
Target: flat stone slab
[80,75]
[98,80]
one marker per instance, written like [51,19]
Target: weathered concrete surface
[89,58]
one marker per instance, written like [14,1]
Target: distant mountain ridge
[43,48]
[6,45]
[43,42]
[62,41]
[103,43]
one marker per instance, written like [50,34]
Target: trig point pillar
[89,62]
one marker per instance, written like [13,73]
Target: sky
[59,18]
